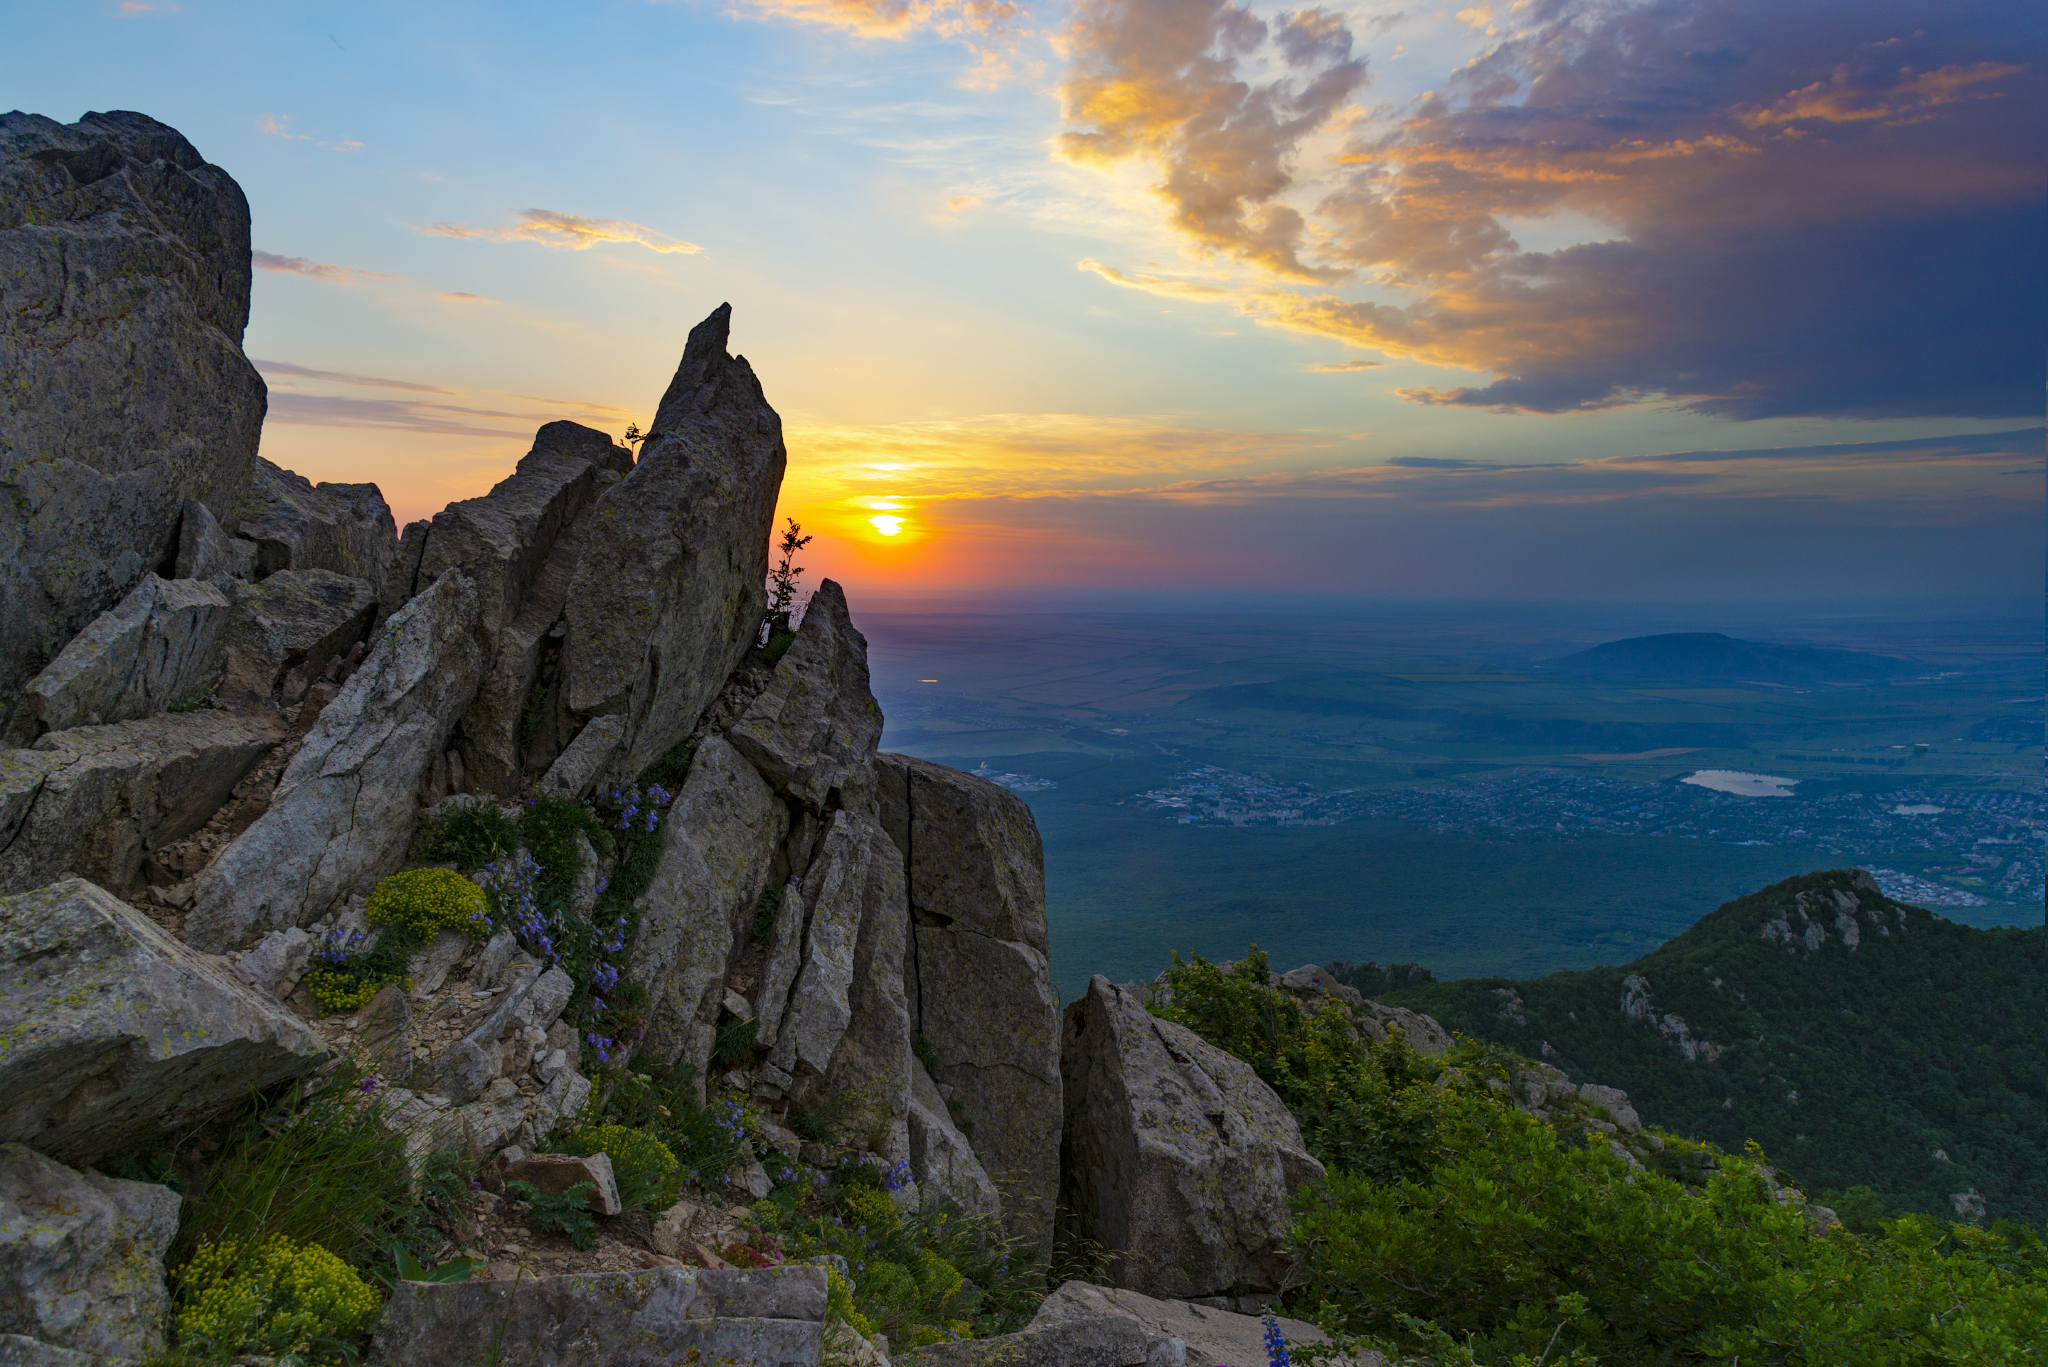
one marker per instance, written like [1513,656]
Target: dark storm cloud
[1833,207]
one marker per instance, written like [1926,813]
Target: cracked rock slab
[292,626]
[114,1032]
[345,808]
[771,1317]
[159,648]
[812,731]
[95,801]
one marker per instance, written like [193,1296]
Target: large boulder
[285,632]
[82,1257]
[96,801]
[344,811]
[812,731]
[668,596]
[296,524]
[942,1157]
[717,845]
[158,648]
[872,1064]
[1177,1159]
[771,1317]
[124,289]
[974,851]
[1076,1341]
[117,1033]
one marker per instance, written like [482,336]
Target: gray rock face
[345,809]
[82,1257]
[124,289]
[812,731]
[1615,1102]
[1176,1157]
[346,528]
[939,1154]
[286,631]
[718,843]
[1423,1033]
[1078,1341]
[19,1350]
[873,1062]
[1211,1336]
[97,800]
[668,596]
[157,649]
[117,1033]
[204,550]
[773,1318]
[588,757]
[975,856]
[988,1008]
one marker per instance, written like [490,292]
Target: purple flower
[1276,1345]
[368,1085]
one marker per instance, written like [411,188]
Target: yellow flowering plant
[280,1298]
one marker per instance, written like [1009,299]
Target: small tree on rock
[782,579]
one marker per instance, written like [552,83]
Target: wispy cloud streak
[572,232]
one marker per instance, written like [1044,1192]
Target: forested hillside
[1861,1041]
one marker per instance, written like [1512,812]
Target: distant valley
[1427,785]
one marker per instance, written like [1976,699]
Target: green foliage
[1853,1068]
[705,1140]
[277,1298]
[778,646]
[765,907]
[1373,1111]
[158,1167]
[919,1276]
[1498,1240]
[839,1306]
[411,1269]
[648,1174]
[782,579]
[469,837]
[317,1167]
[672,768]
[563,1212]
[413,907]
[735,1043]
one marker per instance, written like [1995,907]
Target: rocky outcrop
[158,649]
[116,1033]
[669,594]
[96,801]
[345,809]
[984,994]
[289,630]
[818,1009]
[1177,1158]
[773,1317]
[812,731]
[718,845]
[1210,1335]
[81,1258]
[124,289]
[294,524]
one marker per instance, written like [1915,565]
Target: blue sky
[1138,292]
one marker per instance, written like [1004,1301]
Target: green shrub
[563,1212]
[415,906]
[279,1298]
[647,1172]
[735,1043]
[470,836]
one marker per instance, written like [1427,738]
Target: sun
[886,525]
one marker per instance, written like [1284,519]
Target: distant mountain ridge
[1699,656]
[1861,1041]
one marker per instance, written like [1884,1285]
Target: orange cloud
[464,297]
[570,231]
[900,18]
[1843,99]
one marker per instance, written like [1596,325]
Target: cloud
[318,270]
[900,18]
[962,203]
[417,415]
[1800,216]
[345,377]
[1344,367]
[279,126]
[134,7]
[1159,81]
[463,297]
[570,231]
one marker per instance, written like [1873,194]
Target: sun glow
[887,526]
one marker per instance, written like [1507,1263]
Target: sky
[1542,298]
